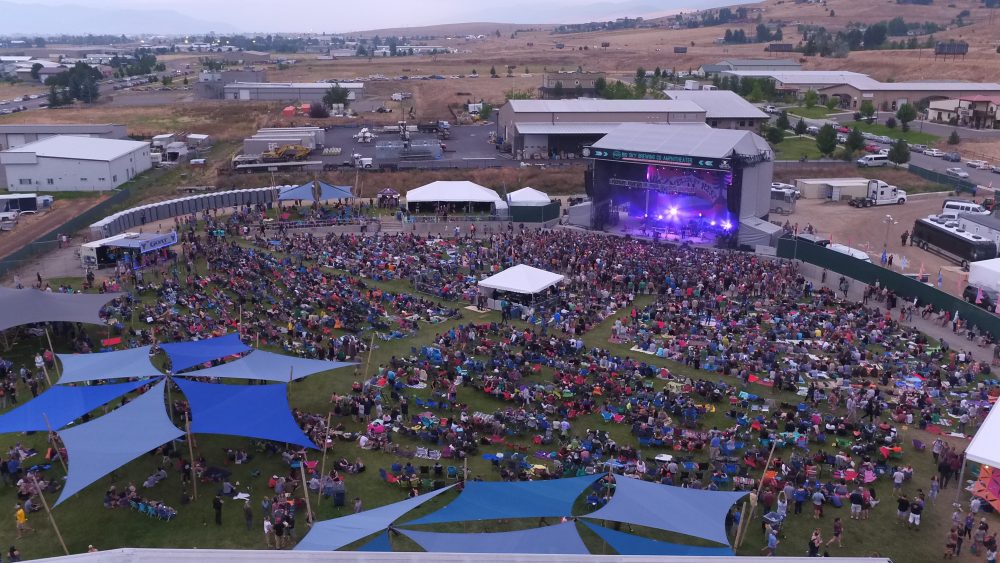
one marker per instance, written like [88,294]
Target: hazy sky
[347,15]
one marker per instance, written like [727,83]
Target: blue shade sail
[268,366]
[121,364]
[331,535]
[694,512]
[561,539]
[62,405]
[104,444]
[629,544]
[483,500]
[253,411]
[28,306]
[307,192]
[379,543]
[184,355]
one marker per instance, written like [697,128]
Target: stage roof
[27,306]
[687,140]
[522,279]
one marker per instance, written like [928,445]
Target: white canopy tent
[522,279]
[529,196]
[452,192]
[984,447]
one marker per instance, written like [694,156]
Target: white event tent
[528,197]
[452,192]
[522,279]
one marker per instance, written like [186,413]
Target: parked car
[771,109]
[883,139]
[918,148]
[995,169]
[934,152]
[843,129]
[872,148]
[978,164]
[952,157]
[841,138]
[957,173]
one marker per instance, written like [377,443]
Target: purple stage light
[726,225]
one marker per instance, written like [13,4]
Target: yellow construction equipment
[285,153]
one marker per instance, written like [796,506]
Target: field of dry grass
[219,119]
[8,91]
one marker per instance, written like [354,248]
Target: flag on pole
[903,263]
[921,276]
[997,308]
[885,256]
[940,279]
[979,296]
[958,285]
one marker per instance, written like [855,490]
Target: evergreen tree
[800,127]
[826,140]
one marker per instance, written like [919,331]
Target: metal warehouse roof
[691,139]
[719,104]
[761,62]
[809,76]
[603,106]
[80,148]
[566,128]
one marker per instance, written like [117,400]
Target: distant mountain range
[34,19]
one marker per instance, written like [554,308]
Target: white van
[812,130]
[873,160]
[852,252]
[956,206]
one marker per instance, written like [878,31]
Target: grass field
[83,520]
[815,112]
[912,136]
[794,148]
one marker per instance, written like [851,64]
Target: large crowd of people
[688,334]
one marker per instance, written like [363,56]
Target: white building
[68,163]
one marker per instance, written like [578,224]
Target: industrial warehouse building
[723,109]
[561,128]
[12,136]
[312,92]
[69,163]
[853,88]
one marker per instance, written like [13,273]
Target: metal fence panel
[958,184]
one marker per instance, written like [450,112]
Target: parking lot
[468,146]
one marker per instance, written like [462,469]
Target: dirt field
[219,119]
[900,178]
[30,227]
[866,229]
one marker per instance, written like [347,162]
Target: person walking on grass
[916,508]
[217,506]
[21,521]
[838,532]
[815,542]
[902,509]
[268,532]
[248,515]
[772,544]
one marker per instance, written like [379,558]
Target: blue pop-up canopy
[120,364]
[330,535]
[104,444]
[254,411]
[260,364]
[561,539]
[629,544]
[62,405]
[694,512]
[184,355]
[307,192]
[483,500]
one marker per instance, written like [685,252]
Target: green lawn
[794,148]
[815,112]
[913,136]
[83,520]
